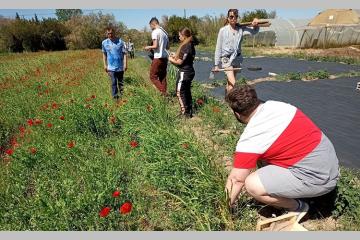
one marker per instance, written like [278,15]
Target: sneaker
[302,210]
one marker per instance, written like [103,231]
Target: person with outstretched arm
[228,46]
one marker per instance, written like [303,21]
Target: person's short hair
[154,19]
[110,28]
[242,99]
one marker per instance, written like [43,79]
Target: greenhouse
[330,28]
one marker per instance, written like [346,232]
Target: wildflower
[93,96]
[30,122]
[9,152]
[125,208]
[71,144]
[22,129]
[134,144]
[38,121]
[33,150]
[62,118]
[104,212]
[49,125]
[199,101]
[116,194]
[54,105]
[14,143]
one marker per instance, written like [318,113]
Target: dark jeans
[158,73]
[117,83]
[183,91]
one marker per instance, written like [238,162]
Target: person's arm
[125,58]
[125,62]
[176,61]
[155,44]
[254,29]
[105,61]
[219,43]
[235,182]
[104,56]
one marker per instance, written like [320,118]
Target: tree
[248,16]
[67,14]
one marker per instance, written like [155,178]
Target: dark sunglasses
[233,16]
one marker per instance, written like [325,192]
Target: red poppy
[55,105]
[22,129]
[38,121]
[14,142]
[125,208]
[33,150]
[88,99]
[61,117]
[49,125]
[199,101]
[30,122]
[71,144]
[88,106]
[104,212]
[46,83]
[116,194]
[134,144]
[9,152]
[93,96]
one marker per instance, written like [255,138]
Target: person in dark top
[184,60]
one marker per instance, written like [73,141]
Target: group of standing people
[300,160]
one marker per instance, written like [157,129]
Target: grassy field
[71,159]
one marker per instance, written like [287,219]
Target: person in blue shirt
[115,61]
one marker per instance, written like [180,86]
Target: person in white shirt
[160,45]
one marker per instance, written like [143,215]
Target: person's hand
[147,48]
[125,68]
[216,69]
[255,22]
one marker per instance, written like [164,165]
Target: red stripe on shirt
[299,139]
[245,160]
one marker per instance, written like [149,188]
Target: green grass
[174,177]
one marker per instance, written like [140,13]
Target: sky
[139,18]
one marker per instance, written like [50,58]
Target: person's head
[185,37]
[232,17]
[243,101]
[184,34]
[110,32]
[154,23]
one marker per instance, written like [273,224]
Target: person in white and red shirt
[300,160]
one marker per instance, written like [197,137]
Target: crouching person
[301,160]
